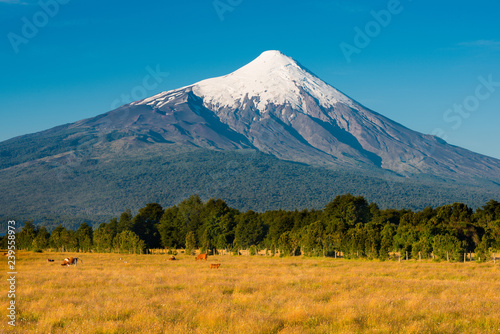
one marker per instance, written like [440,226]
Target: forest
[95,185]
[348,226]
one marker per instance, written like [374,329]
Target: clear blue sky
[87,54]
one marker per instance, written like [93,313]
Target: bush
[448,246]
[253,250]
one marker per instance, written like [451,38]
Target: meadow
[118,293]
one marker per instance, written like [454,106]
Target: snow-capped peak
[271,78]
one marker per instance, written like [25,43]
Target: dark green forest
[95,183]
[349,226]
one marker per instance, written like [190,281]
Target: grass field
[250,294]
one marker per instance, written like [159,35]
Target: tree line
[348,225]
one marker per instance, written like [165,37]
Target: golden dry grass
[251,294]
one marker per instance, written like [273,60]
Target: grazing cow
[214,265]
[70,261]
[201,257]
[172,258]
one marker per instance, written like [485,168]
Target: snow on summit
[271,78]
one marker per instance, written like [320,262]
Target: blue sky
[431,66]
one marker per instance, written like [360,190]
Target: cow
[50,260]
[172,258]
[214,265]
[70,261]
[201,257]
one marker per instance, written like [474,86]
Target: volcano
[278,107]
[301,133]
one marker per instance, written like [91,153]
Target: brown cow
[201,257]
[70,261]
[214,265]
[172,258]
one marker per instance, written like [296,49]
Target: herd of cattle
[72,261]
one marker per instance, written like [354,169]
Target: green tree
[227,226]
[24,239]
[112,227]
[181,219]
[69,240]
[125,222]
[313,239]
[278,222]
[448,247]
[145,224]
[250,230]
[56,241]
[190,242]
[386,240]
[190,212]
[217,230]
[489,212]
[288,243]
[490,242]
[84,237]
[41,240]
[128,241]
[171,229]
[354,244]
[347,211]
[103,238]
[372,239]
[422,247]
[343,214]
[406,236]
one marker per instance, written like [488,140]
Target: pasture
[250,294]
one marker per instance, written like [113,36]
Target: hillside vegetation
[93,185]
